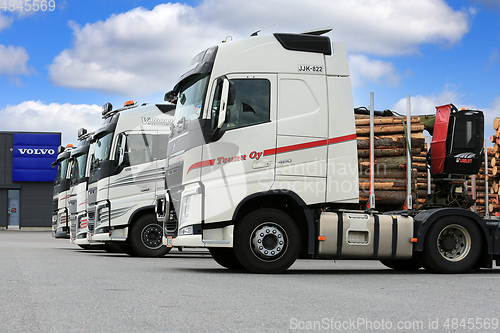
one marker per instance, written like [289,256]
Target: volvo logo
[36,151]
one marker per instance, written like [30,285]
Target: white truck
[262,167]
[79,176]
[126,171]
[60,211]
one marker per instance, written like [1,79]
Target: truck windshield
[79,165]
[103,148]
[190,98]
[62,169]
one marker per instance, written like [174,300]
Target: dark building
[26,178]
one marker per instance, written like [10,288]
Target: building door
[13,210]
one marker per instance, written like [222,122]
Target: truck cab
[236,145]
[79,188]
[60,208]
[126,171]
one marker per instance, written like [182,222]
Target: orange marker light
[128,103]
[321,238]
[413,240]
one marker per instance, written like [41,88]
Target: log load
[390,160]
[493,176]
[390,165]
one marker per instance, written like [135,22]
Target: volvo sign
[32,156]
[36,151]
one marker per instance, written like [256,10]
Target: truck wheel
[267,241]
[146,237]
[225,257]
[402,265]
[452,245]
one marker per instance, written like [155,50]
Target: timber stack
[481,179]
[493,177]
[494,169]
[390,165]
[390,160]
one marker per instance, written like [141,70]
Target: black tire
[267,241]
[402,265]
[127,249]
[452,245]
[145,237]
[225,257]
[119,247]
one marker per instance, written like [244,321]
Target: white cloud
[13,60]
[37,116]
[134,53]
[421,105]
[492,59]
[364,70]
[5,22]
[144,51]
[490,114]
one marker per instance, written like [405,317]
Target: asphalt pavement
[50,285]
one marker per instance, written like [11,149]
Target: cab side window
[251,105]
[138,149]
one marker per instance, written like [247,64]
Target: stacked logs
[493,176]
[494,156]
[390,165]
[493,170]
[481,179]
[390,161]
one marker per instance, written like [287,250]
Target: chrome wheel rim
[454,242]
[269,241]
[151,236]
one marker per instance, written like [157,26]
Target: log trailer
[262,167]
[126,172]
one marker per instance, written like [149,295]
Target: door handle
[259,164]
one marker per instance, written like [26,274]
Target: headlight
[186,201]
[186,231]
[185,209]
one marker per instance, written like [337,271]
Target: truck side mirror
[171,97]
[231,94]
[123,139]
[227,98]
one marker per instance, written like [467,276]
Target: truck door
[239,157]
[302,136]
[133,184]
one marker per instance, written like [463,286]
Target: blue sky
[58,67]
